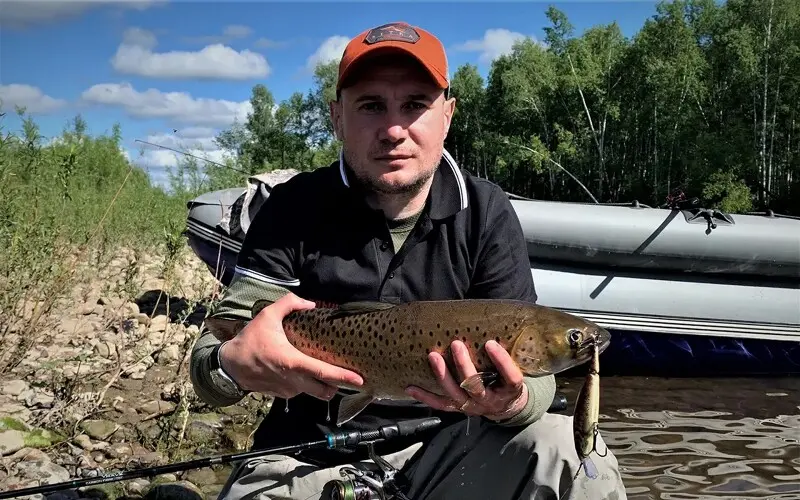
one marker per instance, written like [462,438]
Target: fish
[585,423]
[388,344]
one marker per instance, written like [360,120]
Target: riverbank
[102,382]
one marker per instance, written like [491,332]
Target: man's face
[392,121]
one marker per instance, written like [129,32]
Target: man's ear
[336,118]
[449,110]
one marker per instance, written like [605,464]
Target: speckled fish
[388,344]
[585,423]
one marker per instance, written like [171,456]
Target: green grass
[71,204]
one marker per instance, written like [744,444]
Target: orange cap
[415,41]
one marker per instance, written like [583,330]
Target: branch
[557,165]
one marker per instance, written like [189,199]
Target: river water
[682,439]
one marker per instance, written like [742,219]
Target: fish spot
[431,333]
[477,345]
[438,343]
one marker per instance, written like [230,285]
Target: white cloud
[181,142]
[196,132]
[159,163]
[237,31]
[178,107]
[229,33]
[135,56]
[268,43]
[330,50]
[32,98]
[495,42]
[28,13]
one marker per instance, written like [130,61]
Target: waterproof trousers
[468,460]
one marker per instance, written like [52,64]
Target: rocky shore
[102,384]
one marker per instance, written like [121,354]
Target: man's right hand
[261,359]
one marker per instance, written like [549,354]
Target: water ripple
[730,447]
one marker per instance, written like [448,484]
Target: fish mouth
[598,336]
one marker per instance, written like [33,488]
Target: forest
[702,100]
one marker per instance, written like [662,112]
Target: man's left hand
[502,400]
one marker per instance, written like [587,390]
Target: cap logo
[393,32]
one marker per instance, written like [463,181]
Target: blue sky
[156,65]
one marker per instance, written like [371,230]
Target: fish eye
[574,336]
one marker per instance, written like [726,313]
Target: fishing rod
[193,156]
[331,441]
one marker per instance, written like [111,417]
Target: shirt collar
[448,194]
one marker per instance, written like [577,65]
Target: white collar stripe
[462,186]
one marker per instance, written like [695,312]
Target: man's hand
[502,400]
[261,359]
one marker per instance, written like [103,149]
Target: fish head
[556,341]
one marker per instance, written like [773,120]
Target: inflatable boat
[685,291]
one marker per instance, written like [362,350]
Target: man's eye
[371,106]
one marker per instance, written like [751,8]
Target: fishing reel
[361,484]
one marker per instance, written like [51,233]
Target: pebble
[11,441]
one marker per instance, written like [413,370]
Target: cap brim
[387,48]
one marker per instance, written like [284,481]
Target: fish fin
[352,405]
[474,384]
[589,467]
[359,307]
[258,306]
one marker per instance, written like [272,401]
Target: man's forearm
[233,314]
[541,391]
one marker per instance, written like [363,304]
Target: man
[393,220]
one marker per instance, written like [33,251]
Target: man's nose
[393,128]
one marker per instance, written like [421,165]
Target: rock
[118,450]
[206,475]
[40,399]
[11,441]
[159,323]
[14,387]
[137,486]
[170,354]
[106,349]
[74,327]
[130,309]
[157,407]
[99,429]
[84,442]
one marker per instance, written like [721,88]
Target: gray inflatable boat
[686,291]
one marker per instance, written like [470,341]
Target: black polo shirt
[316,236]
